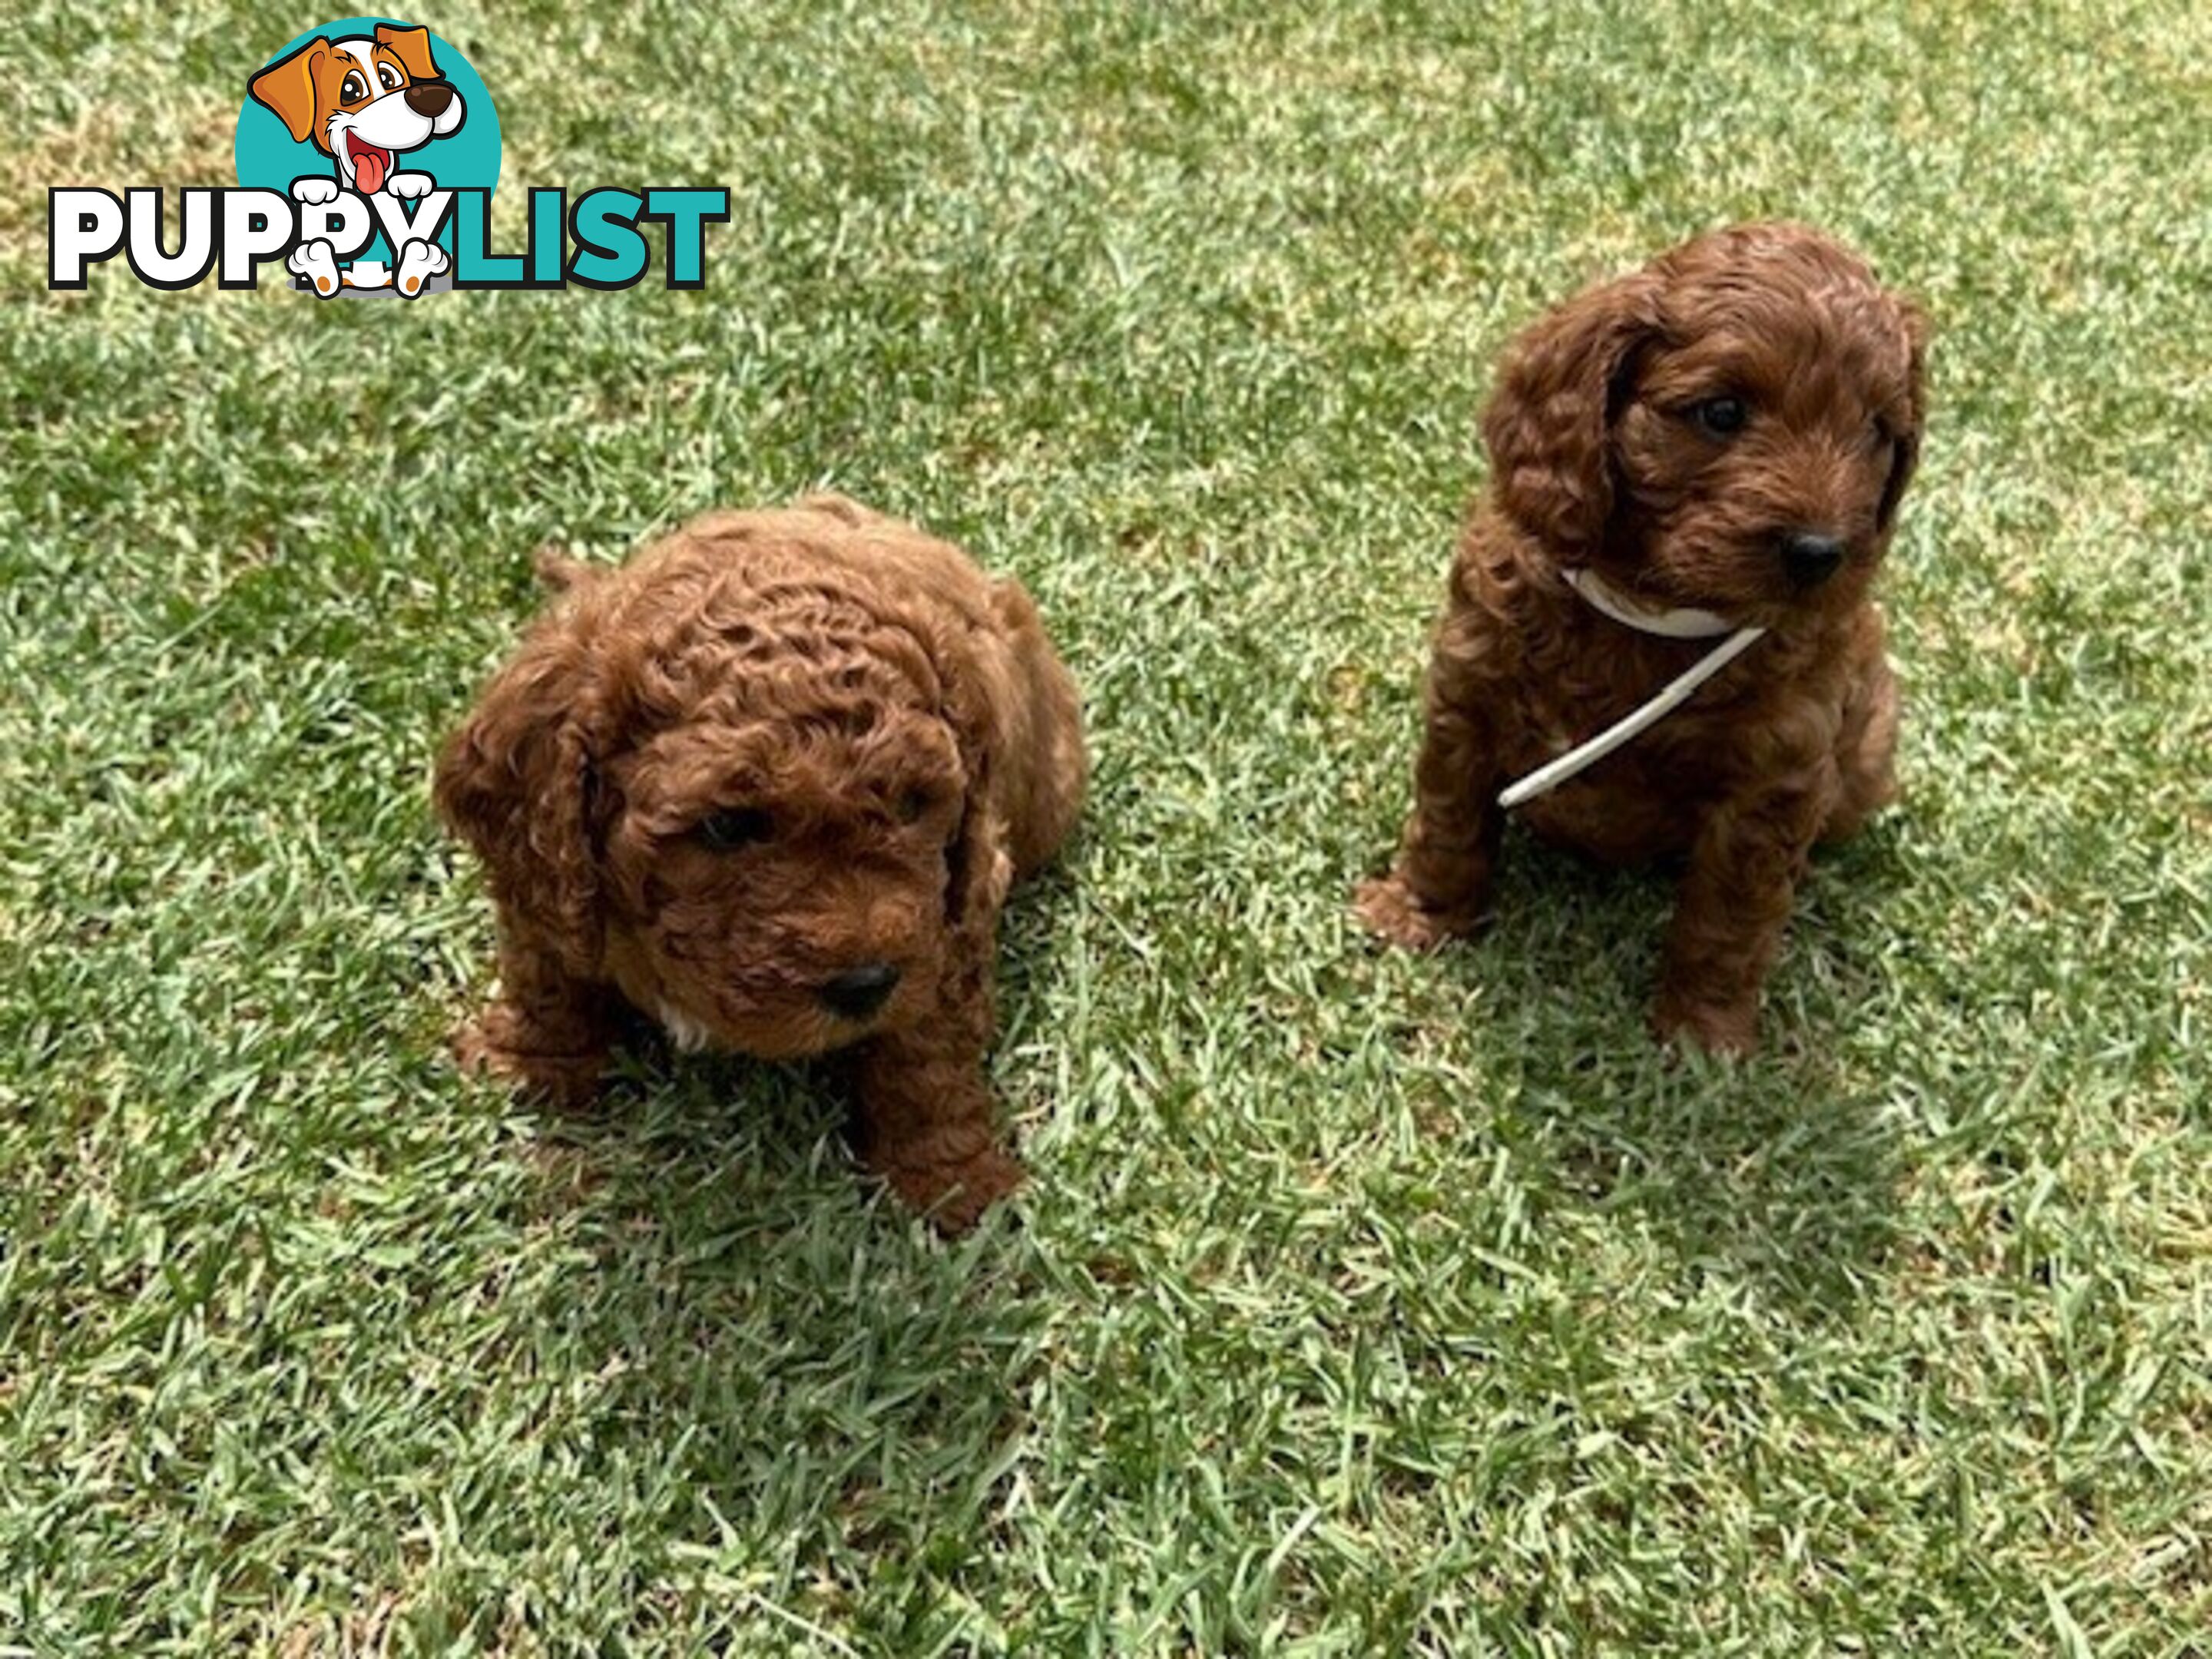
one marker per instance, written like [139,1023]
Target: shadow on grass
[804,1387]
[1780,1169]
[812,1387]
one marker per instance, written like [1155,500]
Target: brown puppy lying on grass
[769,783]
[1717,442]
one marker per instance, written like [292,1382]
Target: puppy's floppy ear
[286,90]
[979,870]
[411,47]
[1547,421]
[843,509]
[559,572]
[517,782]
[1914,323]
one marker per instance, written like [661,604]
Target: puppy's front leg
[926,1120]
[546,1030]
[1440,886]
[1732,904]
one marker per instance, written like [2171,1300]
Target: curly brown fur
[1606,453]
[778,768]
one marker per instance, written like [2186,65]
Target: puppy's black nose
[430,98]
[1810,558]
[858,992]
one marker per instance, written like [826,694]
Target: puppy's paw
[1386,907]
[418,262]
[314,190]
[1728,1030]
[492,1045]
[408,186]
[955,1195]
[318,262]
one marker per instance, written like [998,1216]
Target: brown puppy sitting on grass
[1714,444]
[769,783]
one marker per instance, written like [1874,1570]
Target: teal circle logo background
[465,159]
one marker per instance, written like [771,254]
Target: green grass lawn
[1360,1304]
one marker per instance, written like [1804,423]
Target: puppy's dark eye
[1720,417]
[911,806]
[733,827]
[353,88]
[387,76]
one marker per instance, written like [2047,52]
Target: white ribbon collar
[1680,624]
[1683,623]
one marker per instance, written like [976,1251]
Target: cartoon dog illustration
[365,100]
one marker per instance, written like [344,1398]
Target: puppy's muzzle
[858,992]
[1809,558]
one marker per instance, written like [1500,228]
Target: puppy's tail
[558,571]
